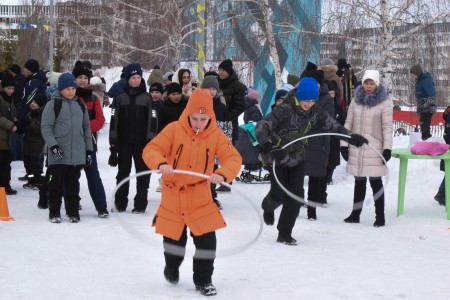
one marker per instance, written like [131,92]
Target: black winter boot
[377,187]
[269,205]
[312,216]
[359,194]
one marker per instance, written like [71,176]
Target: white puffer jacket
[372,117]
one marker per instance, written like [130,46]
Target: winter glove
[88,158]
[113,160]
[344,153]
[277,154]
[57,152]
[266,147]
[387,154]
[357,140]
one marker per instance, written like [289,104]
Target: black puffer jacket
[289,122]
[233,92]
[169,111]
[132,117]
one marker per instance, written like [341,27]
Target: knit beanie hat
[326,62]
[53,77]
[66,80]
[200,102]
[416,70]
[280,94]
[15,69]
[8,80]
[292,79]
[174,87]
[32,65]
[310,66]
[307,89]
[156,86]
[342,63]
[210,82]
[253,94]
[227,65]
[318,75]
[41,100]
[133,69]
[81,70]
[95,80]
[372,74]
[166,76]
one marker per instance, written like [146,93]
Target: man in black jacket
[130,131]
[233,92]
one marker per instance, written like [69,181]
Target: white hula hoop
[314,204]
[178,250]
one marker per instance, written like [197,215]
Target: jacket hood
[249,102]
[329,68]
[425,75]
[199,102]
[373,99]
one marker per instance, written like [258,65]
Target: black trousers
[292,178]
[64,178]
[5,168]
[317,189]
[425,123]
[203,268]
[127,154]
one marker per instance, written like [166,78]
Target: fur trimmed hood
[330,68]
[373,99]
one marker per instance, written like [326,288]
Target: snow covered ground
[122,258]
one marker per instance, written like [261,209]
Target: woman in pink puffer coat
[370,114]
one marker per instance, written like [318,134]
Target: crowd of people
[169,123]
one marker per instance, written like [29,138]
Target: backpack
[58,105]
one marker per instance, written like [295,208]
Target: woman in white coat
[369,114]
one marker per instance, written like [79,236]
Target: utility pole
[51,37]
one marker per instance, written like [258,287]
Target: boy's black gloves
[113,160]
[57,152]
[357,140]
[344,153]
[277,154]
[387,154]
[88,158]
[266,147]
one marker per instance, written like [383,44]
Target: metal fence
[402,128]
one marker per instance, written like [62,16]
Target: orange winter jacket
[187,199]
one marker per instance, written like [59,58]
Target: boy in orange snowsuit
[191,144]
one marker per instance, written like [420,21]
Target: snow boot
[55,218]
[103,213]
[207,289]
[287,240]
[359,194]
[377,186]
[312,216]
[269,205]
[171,275]
[440,198]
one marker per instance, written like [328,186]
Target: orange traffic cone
[4,210]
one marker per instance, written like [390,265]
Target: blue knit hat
[66,80]
[307,89]
[133,69]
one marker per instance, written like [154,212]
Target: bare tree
[388,35]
